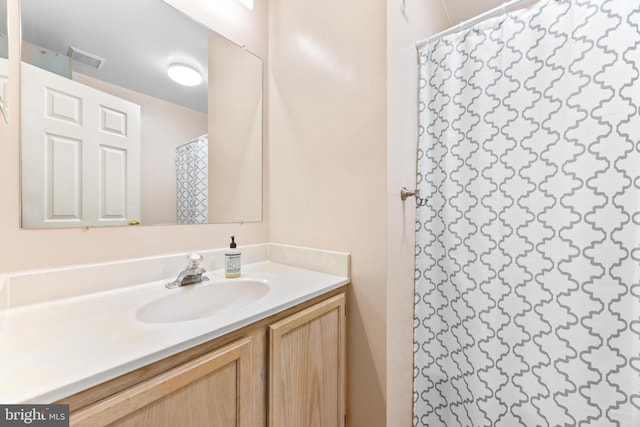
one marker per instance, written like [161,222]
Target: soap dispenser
[232,260]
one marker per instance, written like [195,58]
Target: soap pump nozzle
[233,242]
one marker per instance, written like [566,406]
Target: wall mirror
[109,139]
[4,61]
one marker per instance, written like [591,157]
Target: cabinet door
[307,367]
[212,390]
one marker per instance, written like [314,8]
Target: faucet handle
[194,259]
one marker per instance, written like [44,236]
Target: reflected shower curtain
[527,300]
[192,175]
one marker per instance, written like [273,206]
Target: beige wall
[247,28]
[407,22]
[164,126]
[235,132]
[342,143]
[327,154]
[32,249]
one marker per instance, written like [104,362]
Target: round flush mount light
[184,75]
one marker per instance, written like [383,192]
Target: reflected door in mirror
[80,154]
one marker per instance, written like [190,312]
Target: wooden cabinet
[223,382]
[212,390]
[307,367]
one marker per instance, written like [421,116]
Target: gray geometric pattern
[527,280]
[192,174]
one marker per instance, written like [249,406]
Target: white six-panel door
[80,154]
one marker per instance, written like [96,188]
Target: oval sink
[193,302]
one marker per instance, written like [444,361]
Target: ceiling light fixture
[184,75]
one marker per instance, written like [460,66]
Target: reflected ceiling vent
[85,58]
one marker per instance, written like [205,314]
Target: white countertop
[54,349]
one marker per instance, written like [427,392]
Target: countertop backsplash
[32,287]
[40,286]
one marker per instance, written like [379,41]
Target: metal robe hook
[405,194]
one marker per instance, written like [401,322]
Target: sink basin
[193,302]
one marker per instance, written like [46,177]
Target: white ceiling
[149,35]
[463,10]
[3,16]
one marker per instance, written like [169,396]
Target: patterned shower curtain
[527,298]
[192,174]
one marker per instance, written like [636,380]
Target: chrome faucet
[190,275]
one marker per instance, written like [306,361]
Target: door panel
[63,177]
[80,154]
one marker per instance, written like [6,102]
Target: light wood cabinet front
[221,382]
[213,390]
[307,367]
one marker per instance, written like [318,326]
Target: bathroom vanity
[134,355]
[298,355]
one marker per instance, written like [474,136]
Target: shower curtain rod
[192,141]
[463,25]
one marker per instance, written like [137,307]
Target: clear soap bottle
[232,260]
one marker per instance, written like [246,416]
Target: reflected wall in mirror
[4,62]
[108,138]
